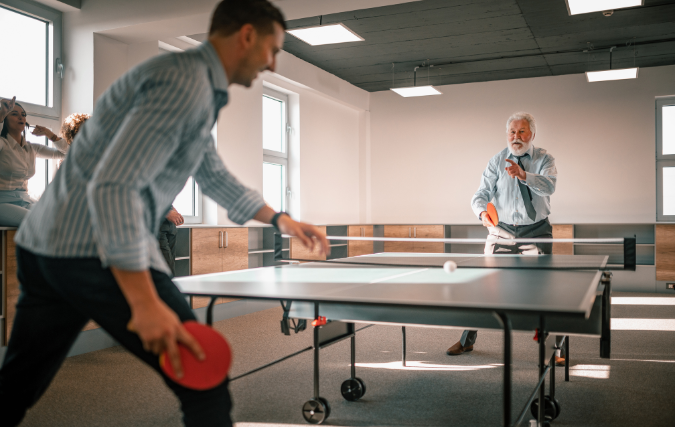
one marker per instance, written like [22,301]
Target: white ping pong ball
[449,266]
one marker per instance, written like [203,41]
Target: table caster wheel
[551,408]
[363,385]
[315,411]
[352,389]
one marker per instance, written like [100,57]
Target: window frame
[53,108]
[662,160]
[278,157]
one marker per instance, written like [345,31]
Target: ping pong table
[507,292]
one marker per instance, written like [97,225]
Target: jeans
[14,205]
[58,297]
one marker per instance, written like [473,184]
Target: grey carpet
[110,388]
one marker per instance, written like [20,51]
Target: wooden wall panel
[561,231]
[12,282]
[665,252]
[357,248]
[398,231]
[298,251]
[428,231]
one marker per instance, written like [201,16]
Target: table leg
[404,344]
[353,340]
[506,324]
[209,311]
[567,358]
[316,353]
[605,337]
[542,369]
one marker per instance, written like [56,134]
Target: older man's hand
[515,171]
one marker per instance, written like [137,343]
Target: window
[188,203]
[275,149]
[35,76]
[44,168]
[665,158]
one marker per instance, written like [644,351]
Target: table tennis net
[568,254]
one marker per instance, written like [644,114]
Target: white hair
[521,115]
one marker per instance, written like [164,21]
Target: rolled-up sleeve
[139,151]
[57,153]
[218,183]
[486,190]
[543,183]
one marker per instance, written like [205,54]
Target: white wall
[428,153]
[325,144]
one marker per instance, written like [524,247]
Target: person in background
[167,237]
[520,180]
[17,161]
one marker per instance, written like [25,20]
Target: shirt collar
[216,70]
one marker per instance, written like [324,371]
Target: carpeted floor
[110,388]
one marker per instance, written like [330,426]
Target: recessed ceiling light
[416,91]
[326,34]
[601,76]
[576,7]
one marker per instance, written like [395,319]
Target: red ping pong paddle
[492,214]
[208,373]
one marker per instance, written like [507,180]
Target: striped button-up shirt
[149,132]
[498,187]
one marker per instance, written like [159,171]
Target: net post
[629,253]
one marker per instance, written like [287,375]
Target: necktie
[526,194]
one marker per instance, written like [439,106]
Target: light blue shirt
[498,187]
[149,132]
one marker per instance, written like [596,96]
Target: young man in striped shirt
[88,249]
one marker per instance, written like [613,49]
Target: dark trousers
[58,297]
[541,229]
[167,243]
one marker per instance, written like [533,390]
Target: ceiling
[483,40]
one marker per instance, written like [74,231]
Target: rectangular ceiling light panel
[576,7]
[601,76]
[325,34]
[416,91]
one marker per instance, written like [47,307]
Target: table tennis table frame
[546,362]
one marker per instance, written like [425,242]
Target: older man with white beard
[519,181]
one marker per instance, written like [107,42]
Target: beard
[518,151]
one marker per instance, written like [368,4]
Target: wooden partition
[563,232]
[12,290]
[665,252]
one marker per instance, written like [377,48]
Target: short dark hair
[231,15]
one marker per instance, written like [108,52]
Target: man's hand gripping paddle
[199,375]
[492,214]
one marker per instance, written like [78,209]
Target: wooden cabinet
[665,252]
[563,232]
[356,247]
[11,280]
[299,251]
[214,250]
[414,231]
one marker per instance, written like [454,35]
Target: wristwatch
[275,219]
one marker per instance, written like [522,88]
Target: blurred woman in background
[17,161]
